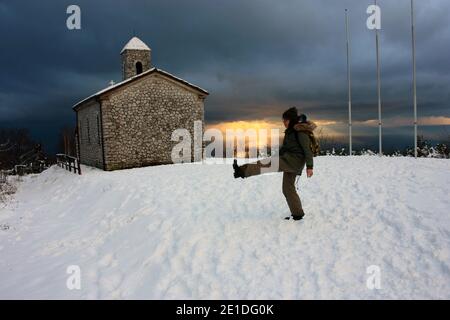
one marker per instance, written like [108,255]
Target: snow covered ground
[192,231]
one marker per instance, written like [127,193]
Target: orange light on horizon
[256,125]
[261,124]
[268,124]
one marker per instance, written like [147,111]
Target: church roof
[143,74]
[135,44]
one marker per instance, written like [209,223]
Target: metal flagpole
[349,86]
[414,77]
[378,88]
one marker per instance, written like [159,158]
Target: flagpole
[377,41]
[349,85]
[413,35]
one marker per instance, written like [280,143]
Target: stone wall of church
[138,121]
[89,134]
[129,59]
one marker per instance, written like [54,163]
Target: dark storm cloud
[255,57]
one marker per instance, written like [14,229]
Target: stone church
[129,124]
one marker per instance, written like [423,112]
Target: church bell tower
[136,58]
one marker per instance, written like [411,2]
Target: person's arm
[305,143]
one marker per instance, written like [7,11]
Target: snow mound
[192,231]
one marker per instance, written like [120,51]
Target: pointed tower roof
[135,44]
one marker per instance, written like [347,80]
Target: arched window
[138,67]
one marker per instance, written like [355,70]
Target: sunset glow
[325,127]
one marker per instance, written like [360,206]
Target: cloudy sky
[256,58]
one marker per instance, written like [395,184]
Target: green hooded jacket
[298,153]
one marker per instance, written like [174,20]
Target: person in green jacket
[294,154]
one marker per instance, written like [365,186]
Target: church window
[138,67]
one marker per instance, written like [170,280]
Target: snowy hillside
[192,231]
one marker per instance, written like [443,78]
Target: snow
[192,231]
[135,44]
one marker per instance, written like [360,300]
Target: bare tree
[14,143]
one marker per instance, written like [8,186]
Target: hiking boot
[295,217]
[237,170]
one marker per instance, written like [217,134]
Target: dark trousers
[289,191]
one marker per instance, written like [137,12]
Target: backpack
[313,142]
